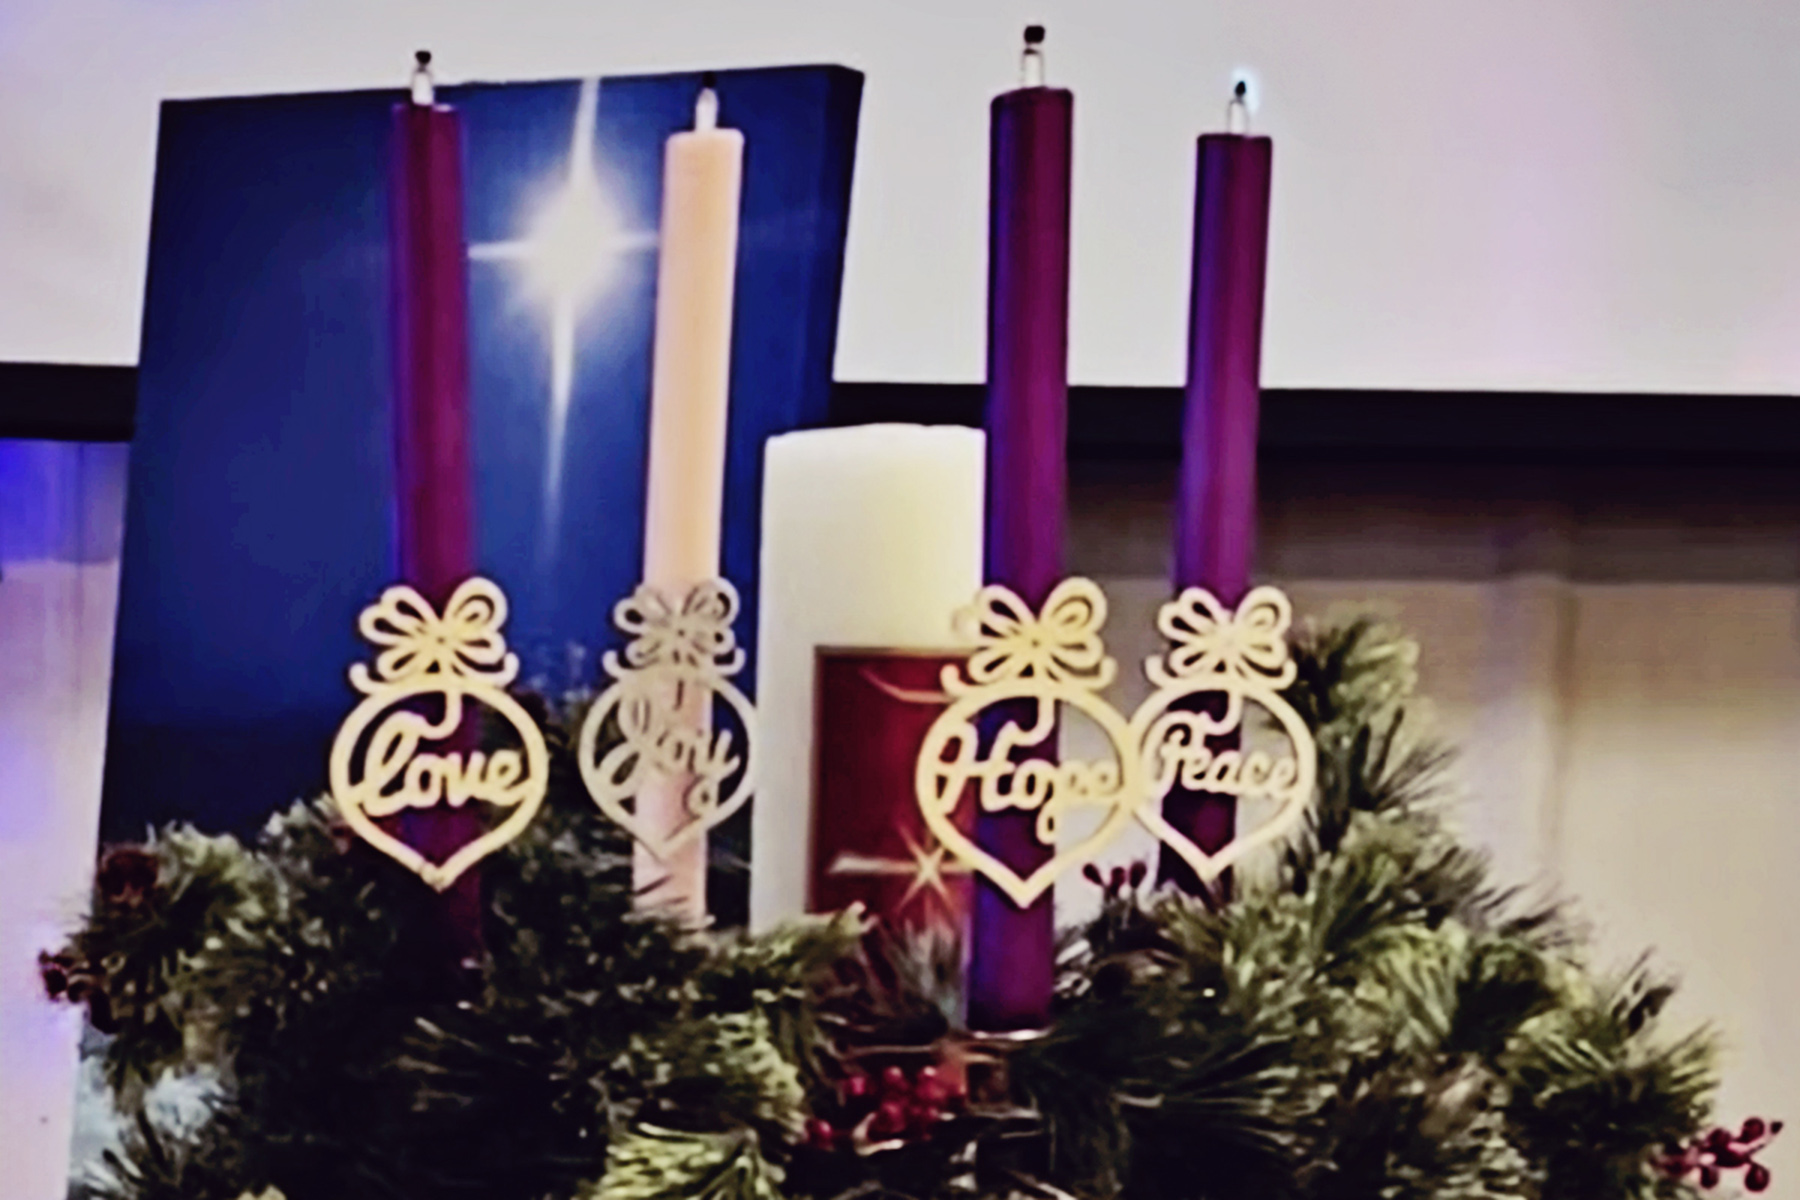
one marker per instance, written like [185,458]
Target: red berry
[856,1086]
[1709,1177]
[1138,871]
[126,874]
[890,1118]
[1717,1138]
[1091,873]
[1728,1157]
[1753,1129]
[820,1133]
[55,977]
[1757,1177]
[929,1086]
[893,1082]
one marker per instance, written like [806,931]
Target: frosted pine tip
[706,105]
[424,91]
[1031,63]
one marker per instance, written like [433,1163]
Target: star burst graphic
[926,870]
[569,253]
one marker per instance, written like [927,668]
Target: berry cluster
[125,881]
[68,979]
[127,876]
[1720,1151]
[882,1115]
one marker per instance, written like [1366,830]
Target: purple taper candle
[1215,515]
[1012,950]
[433,476]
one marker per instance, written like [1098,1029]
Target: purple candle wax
[1215,516]
[1012,951]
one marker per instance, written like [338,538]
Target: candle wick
[424,89]
[706,105]
[1237,111]
[1031,62]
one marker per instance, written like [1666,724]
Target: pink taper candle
[702,180]
[434,476]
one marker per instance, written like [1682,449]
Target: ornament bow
[694,635]
[1061,645]
[464,642]
[1206,638]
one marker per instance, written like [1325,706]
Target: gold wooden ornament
[1032,663]
[1244,656]
[1025,666]
[681,657]
[457,656]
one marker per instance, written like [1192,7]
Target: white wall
[61,510]
[1531,194]
[1615,655]
[1628,747]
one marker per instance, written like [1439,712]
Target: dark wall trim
[50,402]
[1121,424]
[1126,424]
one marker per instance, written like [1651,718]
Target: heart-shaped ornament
[1054,660]
[387,770]
[1286,782]
[681,775]
[668,754]
[953,759]
[1242,656]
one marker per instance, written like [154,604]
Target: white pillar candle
[691,370]
[871,537]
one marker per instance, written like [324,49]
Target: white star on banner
[568,254]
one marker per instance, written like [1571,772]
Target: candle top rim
[903,429]
[1034,89]
[858,447]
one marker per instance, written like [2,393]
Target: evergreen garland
[1370,1018]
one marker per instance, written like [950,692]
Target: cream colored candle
[702,180]
[871,536]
